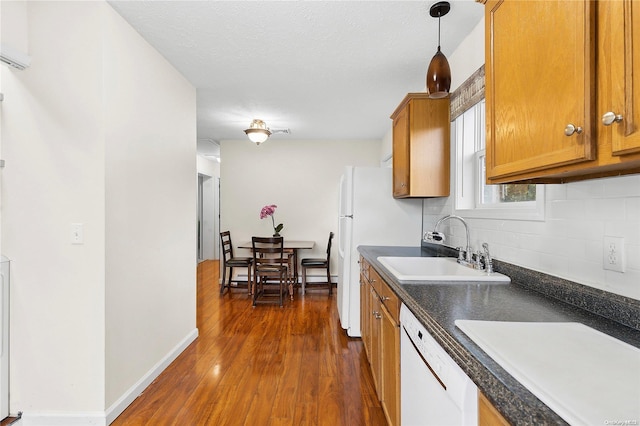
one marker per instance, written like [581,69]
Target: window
[473,197]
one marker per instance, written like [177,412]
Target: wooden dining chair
[229,261]
[270,270]
[290,255]
[318,263]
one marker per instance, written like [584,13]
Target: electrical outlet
[613,254]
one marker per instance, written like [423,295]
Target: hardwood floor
[262,366]
[8,421]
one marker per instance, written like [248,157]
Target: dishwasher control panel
[427,347]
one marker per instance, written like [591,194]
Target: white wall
[100,130]
[386,148]
[208,167]
[300,177]
[53,144]
[469,56]
[14,25]
[150,145]
[569,242]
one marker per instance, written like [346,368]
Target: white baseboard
[129,396]
[60,418]
[103,418]
[310,278]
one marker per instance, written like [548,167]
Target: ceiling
[325,70]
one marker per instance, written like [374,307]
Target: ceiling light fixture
[439,73]
[258,131]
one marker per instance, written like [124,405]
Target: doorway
[207,218]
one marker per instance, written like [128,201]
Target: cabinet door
[376,359]
[619,58]
[365,315]
[487,413]
[429,147]
[401,153]
[390,367]
[540,79]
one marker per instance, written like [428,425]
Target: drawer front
[375,280]
[390,300]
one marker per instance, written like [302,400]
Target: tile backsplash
[569,243]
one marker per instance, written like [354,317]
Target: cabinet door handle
[377,315]
[384,298]
[571,129]
[608,118]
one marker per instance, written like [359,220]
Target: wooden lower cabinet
[365,307]
[487,413]
[376,342]
[380,329]
[390,346]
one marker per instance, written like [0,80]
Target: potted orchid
[268,211]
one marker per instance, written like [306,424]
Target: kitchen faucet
[439,236]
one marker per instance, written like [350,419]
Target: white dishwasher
[433,388]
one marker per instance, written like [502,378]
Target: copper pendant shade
[439,73]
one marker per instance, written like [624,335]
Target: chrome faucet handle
[487,259]
[469,255]
[460,253]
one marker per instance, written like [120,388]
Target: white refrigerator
[369,215]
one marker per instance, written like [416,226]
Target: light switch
[77,233]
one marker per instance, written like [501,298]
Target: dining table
[288,245]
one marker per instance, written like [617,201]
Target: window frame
[469,184]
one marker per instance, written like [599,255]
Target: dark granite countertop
[531,297]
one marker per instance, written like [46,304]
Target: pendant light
[439,73]
[258,131]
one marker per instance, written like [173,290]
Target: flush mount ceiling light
[439,73]
[258,131]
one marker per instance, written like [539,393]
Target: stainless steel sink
[436,269]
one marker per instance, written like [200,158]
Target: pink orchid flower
[268,211]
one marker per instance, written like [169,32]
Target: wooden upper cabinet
[421,147]
[547,62]
[539,81]
[401,153]
[619,95]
